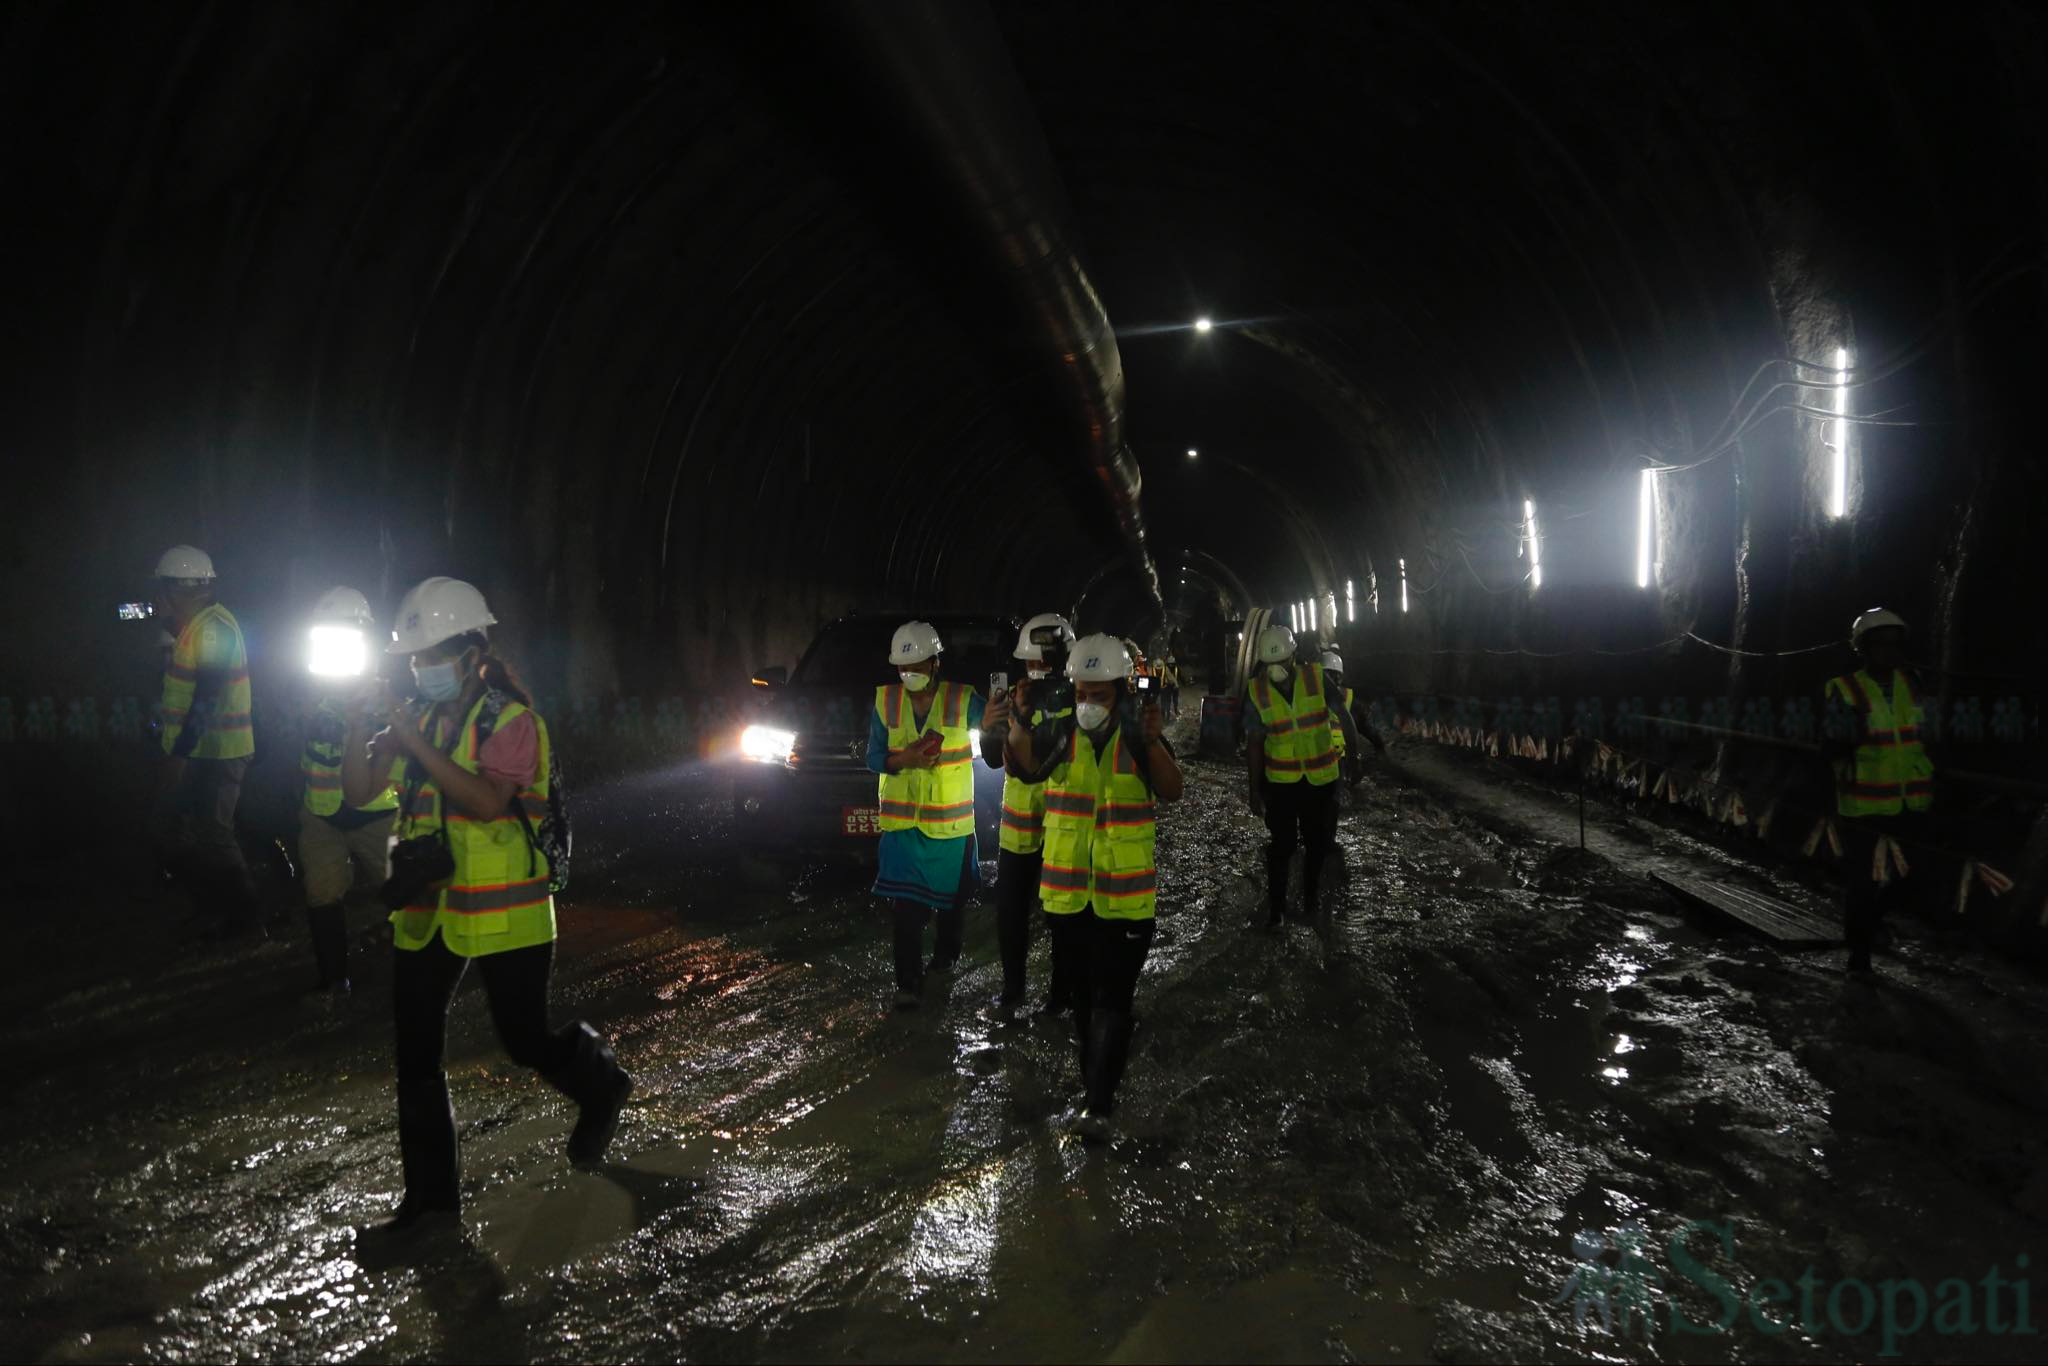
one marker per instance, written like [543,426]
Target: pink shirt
[512,752]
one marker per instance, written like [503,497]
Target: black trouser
[1309,812]
[193,828]
[1864,902]
[516,985]
[1016,901]
[1105,957]
[910,918]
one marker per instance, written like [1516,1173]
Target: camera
[417,866]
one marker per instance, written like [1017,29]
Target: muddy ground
[1374,1140]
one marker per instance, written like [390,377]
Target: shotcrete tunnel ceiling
[658,306]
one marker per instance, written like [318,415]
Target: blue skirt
[936,873]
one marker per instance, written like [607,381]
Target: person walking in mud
[1884,778]
[921,747]
[472,878]
[1342,699]
[1043,692]
[1102,768]
[1291,762]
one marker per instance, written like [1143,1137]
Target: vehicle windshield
[855,654]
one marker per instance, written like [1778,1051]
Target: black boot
[426,1146]
[329,931]
[599,1086]
[1109,1045]
[1276,887]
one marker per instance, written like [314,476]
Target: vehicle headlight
[337,652]
[767,745]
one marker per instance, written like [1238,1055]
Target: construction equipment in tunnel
[943,67]
[1223,709]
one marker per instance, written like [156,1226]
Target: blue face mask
[438,682]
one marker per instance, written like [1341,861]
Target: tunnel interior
[679,333]
[1564,366]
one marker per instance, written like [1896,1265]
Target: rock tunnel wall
[677,359]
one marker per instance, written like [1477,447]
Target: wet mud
[1376,1136]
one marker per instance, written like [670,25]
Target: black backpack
[553,838]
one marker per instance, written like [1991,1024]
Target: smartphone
[998,684]
[136,611]
[1144,682]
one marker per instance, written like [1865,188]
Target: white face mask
[917,682]
[1091,716]
[1277,672]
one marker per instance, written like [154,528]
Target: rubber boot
[1276,886]
[1109,1044]
[599,1086]
[426,1146]
[226,906]
[329,932]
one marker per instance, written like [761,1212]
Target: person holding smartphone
[1102,767]
[469,882]
[1043,692]
[1292,765]
[339,844]
[921,749]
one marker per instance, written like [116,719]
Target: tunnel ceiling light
[1203,324]
[1645,526]
[1311,614]
[1838,471]
[1404,583]
[1535,544]
[1192,452]
[1350,603]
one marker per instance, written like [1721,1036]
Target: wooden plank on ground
[1776,920]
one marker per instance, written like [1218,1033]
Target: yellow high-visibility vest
[211,643]
[498,899]
[1023,827]
[1890,771]
[320,767]
[1298,729]
[1100,831]
[938,800]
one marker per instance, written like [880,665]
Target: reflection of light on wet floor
[953,1237]
[1612,969]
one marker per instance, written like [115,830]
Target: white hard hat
[1099,658]
[1333,662]
[1875,619]
[1029,649]
[187,562]
[1276,644]
[435,610]
[343,606]
[915,642]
